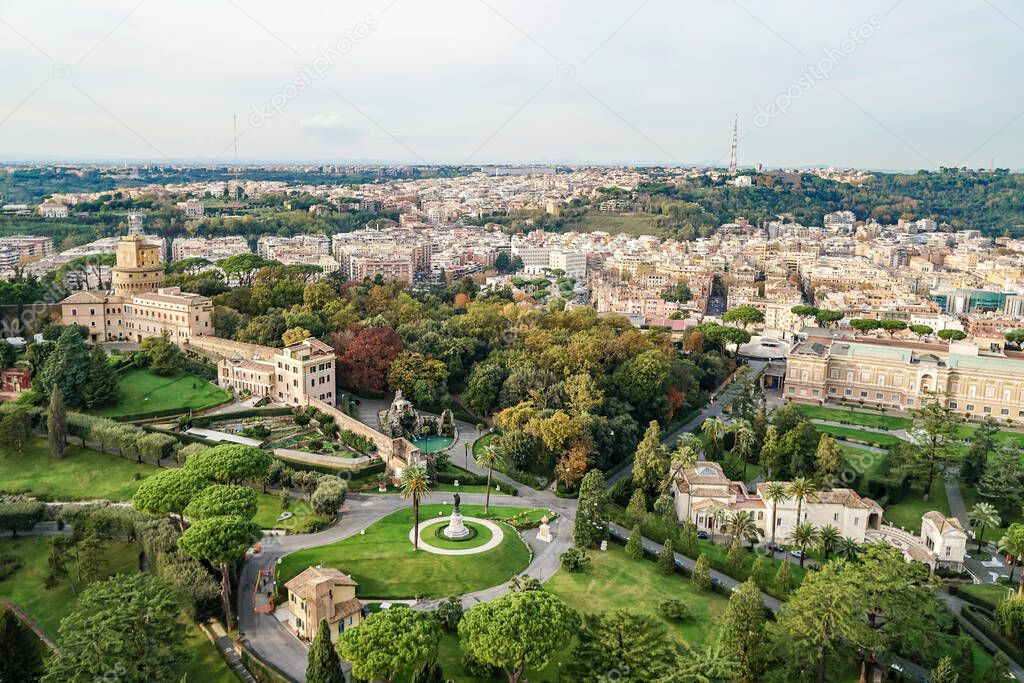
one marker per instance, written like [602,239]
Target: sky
[888,85]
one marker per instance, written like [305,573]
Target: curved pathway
[497,536]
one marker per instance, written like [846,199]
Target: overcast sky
[921,84]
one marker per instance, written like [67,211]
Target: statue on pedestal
[544,531]
[456,529]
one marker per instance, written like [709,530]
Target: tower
[735,143]
[139,268]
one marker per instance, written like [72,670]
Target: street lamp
[467,454]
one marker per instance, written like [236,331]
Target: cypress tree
[323,664]
[634,546]
[57,424]
[944,672]
[742,633]
[637,507]
[701,576]
[591,526]
[784,578]
[101,387]
[667,558]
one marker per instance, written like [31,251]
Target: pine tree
[944,672]
[784,578]
[650,463]
[742,633]
[67,367]
[701,576]
[101,388]
[976,458]
[591,526]
[57,424]
[735,555]
[828,460]
[759,572]
[20,659]
[634,546]
[667,558]
[637,507]
[999,670]
[323,664]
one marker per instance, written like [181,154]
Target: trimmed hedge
[983,621]
[182,437]
[973,599]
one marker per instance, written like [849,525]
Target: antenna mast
[735,143]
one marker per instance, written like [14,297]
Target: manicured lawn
[876,420]
[613,581]
[907,513]
[384,564]
[854,434]
[480,444]
[206,664]
[992,592]
[269,508]
[863,461]
[141,391]
[25,586]
[82,474]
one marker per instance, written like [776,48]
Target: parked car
[776,548]
[702,535]
[799,554]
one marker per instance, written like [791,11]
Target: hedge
[983,621]
[971,598]
[181,436]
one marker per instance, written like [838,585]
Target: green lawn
[907,513]
[268,509]
[970,495]
[853,434]
[141,391]
[613,581]
[384,564]
[81,475]
[876,420]
[207,665]
[992,592]
[862,460]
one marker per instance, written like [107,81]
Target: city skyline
[377,82]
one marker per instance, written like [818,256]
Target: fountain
[456,530]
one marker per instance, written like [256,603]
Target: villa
[322,593]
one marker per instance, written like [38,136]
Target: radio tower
[735,143]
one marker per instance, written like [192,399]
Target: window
[952,405]
[856,521]
[879,396]
[848,392]
[987,410]
[970,407]
[832,390]
[910,401]
[863,394]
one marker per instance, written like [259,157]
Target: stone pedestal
[456,529]
[544,530]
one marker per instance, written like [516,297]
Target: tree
[804,312]
[944,672]
[802,489]
[921,331]
[390,642]
[847,548]
[828,538]
[865,325]
[363,362]
[770,450]
[20,515]
[415,484]
[231,464]
[827,318]
[742,633]
[101,387]
[294,335]
[951,335]
[783,580]
[742,527]
[1010,617]
[449,614]
[979,445]
[999,670]
[517,631]
[243,267]
[805,536]
[490,457]
[637,507]
[643,381]
[701,575]
[1002,484]
[828,460]
[666,558]
[744,315]
[57,424]
[163,355]
[15,430]
[127,627]
[744,440]
[650,461]
[169,492]
[893,326]
[634,546]
[222,499]
[67,367]
[774,493]
[418,377]
[822,618]
[20,658]
[322,662]
[329,495]
[935,428]
[620,640]
[713,428]
[982,516]
[591,525]
[221,541]
[1012,544]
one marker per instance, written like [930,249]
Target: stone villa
[322,593]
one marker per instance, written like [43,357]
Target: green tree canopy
[230,463]
[390,642]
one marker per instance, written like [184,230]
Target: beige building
[139,268]
[323,593]
[292,375]
[110,317]
[973,381]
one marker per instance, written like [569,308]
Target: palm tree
[847,548]
[744,439]
[830,538]
[805,535]
[742,524]
[981,516]
[715,516]
[415,484]
[775,493]
[1012,544]
[682,457]
[801,488]
[489,458]
[713,428]
[692,442]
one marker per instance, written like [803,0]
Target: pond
[432,443]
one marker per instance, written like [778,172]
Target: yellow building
[323,593]
[139,268]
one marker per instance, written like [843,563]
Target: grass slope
[384,564]
[142,391]
[907,513]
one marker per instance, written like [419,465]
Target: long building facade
[973,378]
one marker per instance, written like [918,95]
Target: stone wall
[396,453]
[216,348]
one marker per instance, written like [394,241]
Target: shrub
[701,576]
[8,565]
[329,495]
[449,613]
[1010,617]
[574,560]
[634,546]
[667,558]
[674,610]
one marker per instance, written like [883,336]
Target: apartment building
[973,379]
[112,317]
[52,210]
[291,375]
[27,246]
[212,249]
[294,250]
